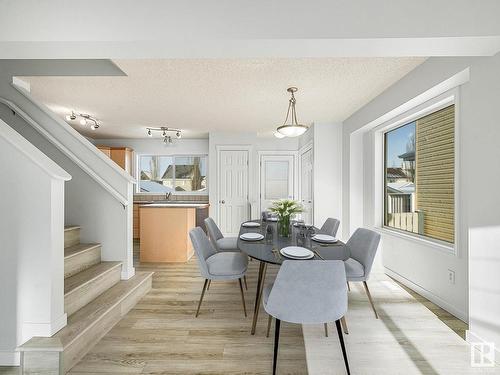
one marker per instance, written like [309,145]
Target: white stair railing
[75,146]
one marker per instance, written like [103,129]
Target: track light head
[150,134]
[178,135]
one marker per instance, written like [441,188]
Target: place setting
[251,236]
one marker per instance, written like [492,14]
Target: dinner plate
[252,236]
[297,252]
[325,238]
[250,224]
[272,219]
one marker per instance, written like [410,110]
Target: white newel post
[32,244]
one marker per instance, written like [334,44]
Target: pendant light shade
[292,129]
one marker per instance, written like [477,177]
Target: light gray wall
[479,133]
[327,173]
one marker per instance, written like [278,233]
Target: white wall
[418,264]
[32,245]
[327,148]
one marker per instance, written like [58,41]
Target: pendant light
[292,129]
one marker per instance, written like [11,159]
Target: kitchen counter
[174,204]
[164,229]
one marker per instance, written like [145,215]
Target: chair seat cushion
[266,292]
[227,264]
[354,269]
[228,244]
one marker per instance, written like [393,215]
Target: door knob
[223,201]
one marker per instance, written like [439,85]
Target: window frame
[173,156]
[435,104]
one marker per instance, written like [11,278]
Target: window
[172,174]
[419,176]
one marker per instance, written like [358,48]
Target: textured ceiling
[203,95]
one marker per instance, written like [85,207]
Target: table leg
[260,287]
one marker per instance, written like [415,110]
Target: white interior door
[233,190]
[276,179]
[306,185]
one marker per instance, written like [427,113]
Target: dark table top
[262,250]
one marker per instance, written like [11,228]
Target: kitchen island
[164,230]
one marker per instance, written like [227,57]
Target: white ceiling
[202,95]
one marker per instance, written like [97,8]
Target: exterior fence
[407,221]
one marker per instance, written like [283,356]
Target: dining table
[267,250]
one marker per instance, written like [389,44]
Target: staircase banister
[84,141]
[31,152]
[126,178]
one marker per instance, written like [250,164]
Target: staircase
[95,298]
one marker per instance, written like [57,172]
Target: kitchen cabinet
[120,155]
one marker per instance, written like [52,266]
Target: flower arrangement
[284,209]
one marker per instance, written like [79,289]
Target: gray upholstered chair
[220,242]
[362,247]
[217,265]
[308,292]
[330,227]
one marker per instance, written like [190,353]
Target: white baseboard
[473,338]
[127,273]
[59,324]
[462,315]
[10,358]
[42,329]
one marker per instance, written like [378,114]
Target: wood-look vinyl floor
[160,335]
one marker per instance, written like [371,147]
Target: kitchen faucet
[167,196]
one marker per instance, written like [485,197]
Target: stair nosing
[71,227]
[91,246]
[117,264]
[147,275]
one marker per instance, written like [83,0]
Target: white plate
[272,219]
[252,236]
[250,224]
[324,238]
[297,252]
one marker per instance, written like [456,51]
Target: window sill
[436,244]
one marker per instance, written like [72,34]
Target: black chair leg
[276,342]
[341,339]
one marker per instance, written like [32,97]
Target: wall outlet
[451,276]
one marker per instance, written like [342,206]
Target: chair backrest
[213,231]
[309,292]
[331,226]
[202,247]
[363,246]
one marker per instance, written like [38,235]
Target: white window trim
[446,99]
[138,177]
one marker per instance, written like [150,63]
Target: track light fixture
[84,119]
[167,139]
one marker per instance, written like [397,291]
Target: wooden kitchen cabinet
[120,155]
[137,224]
[123,157]
[106,150]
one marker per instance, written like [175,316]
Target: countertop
[174,205]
